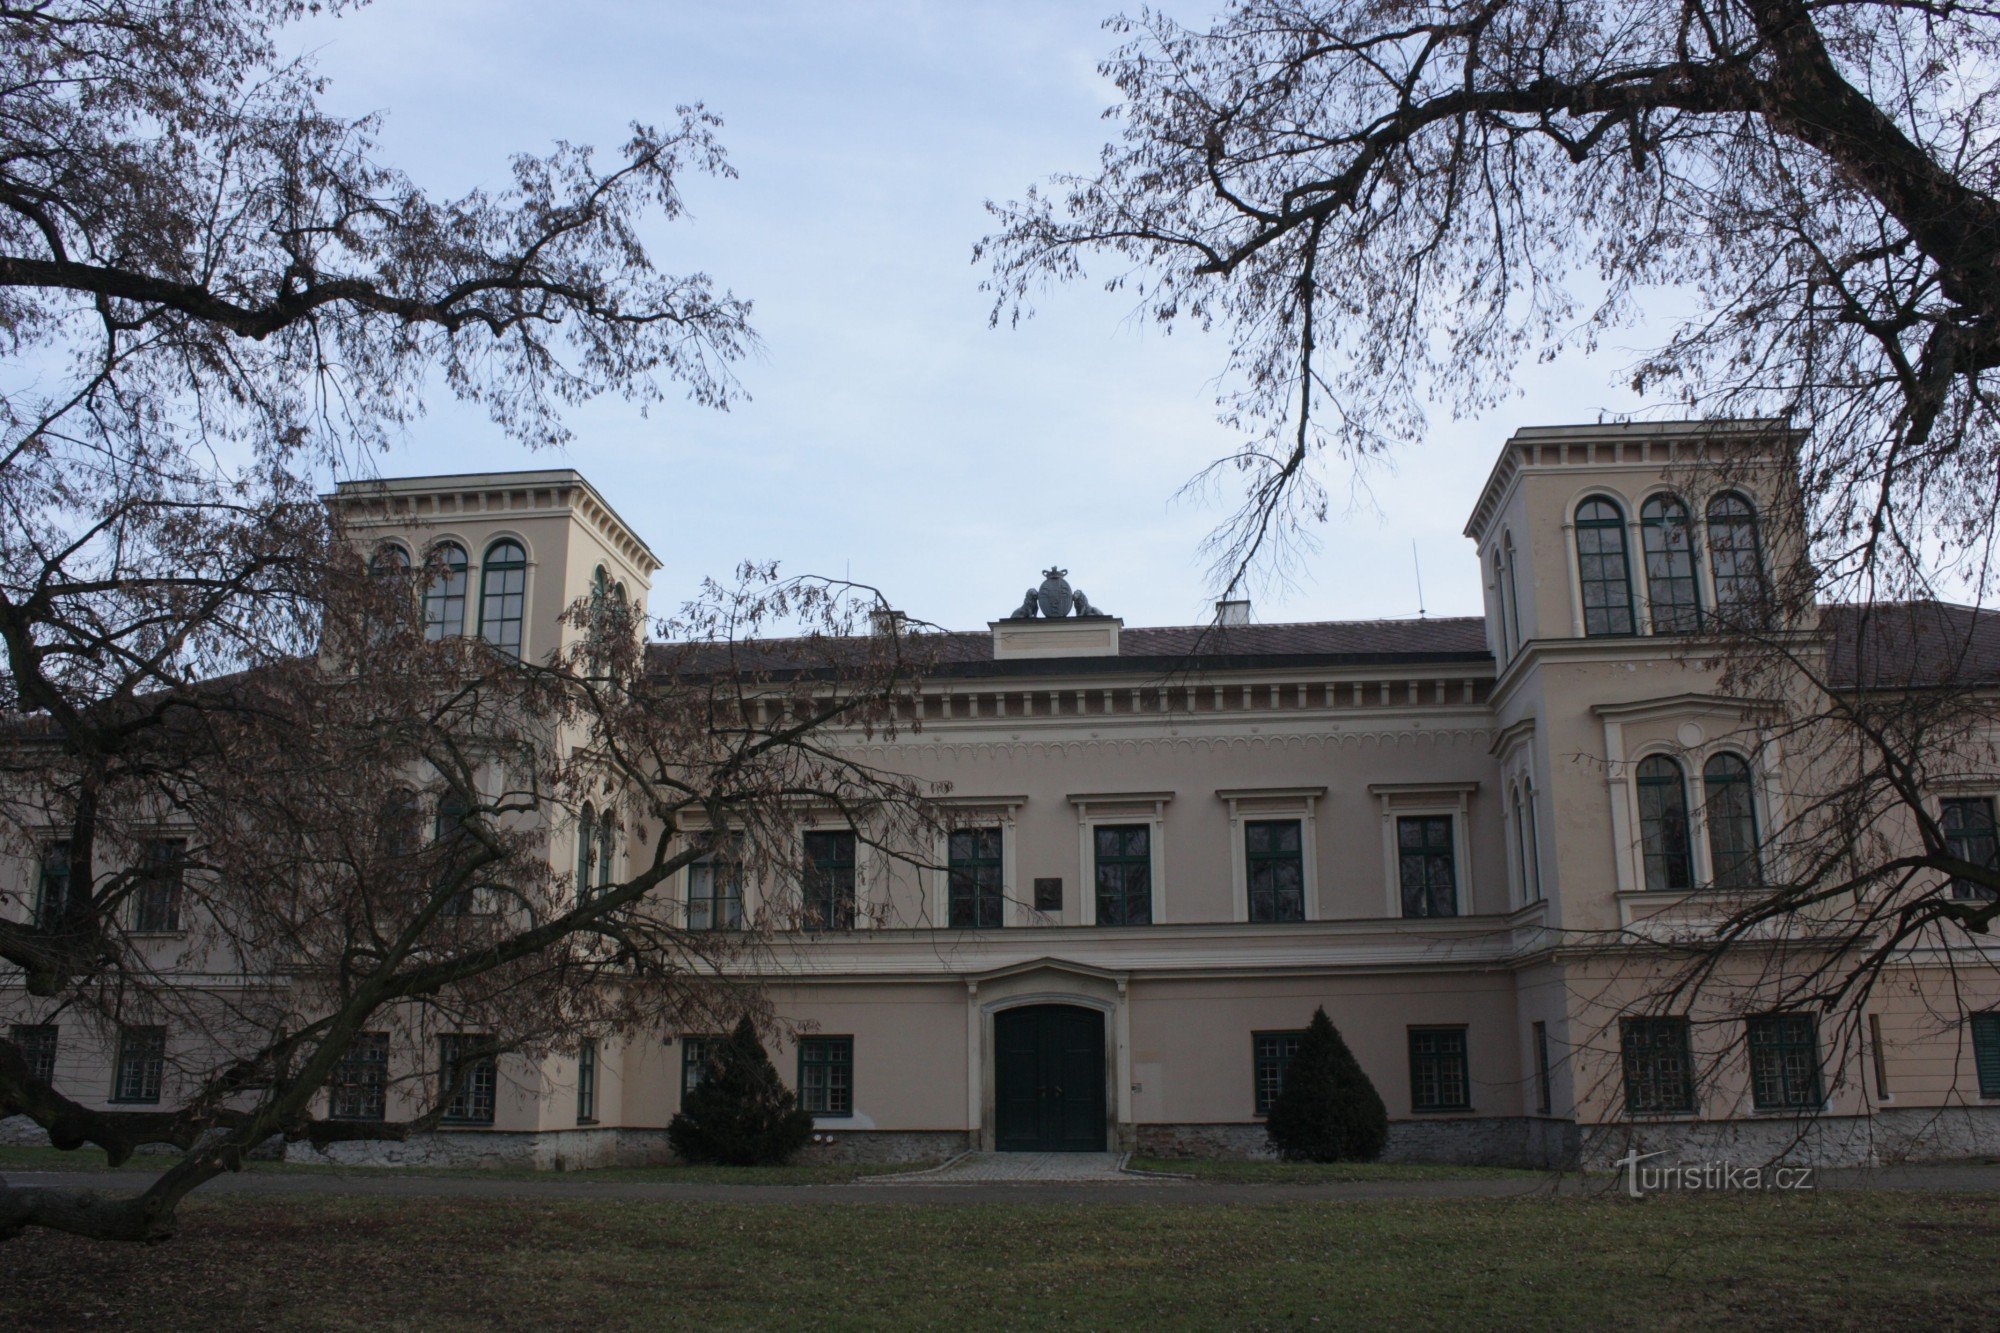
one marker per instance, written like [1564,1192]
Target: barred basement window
[696,1053]
[1985,1052]
[1970,835]
[1124,874]
[359,1088]
[156,900]
[1271,1054]
[973,881]
[1274,864]
[1426,864]
[1784,1062]
[586,1082]
[38,1048]
[470,1078]
[1439,1078]
[1659,1066]
[141,1064]
[826,1075]
[829,885]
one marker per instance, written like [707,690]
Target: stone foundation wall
[1492,1141]
[548,1150]
[884,1146]
[1892,1135]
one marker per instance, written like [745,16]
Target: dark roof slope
[1895,645]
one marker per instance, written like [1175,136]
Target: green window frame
[444,595]
[156,897]
[1736,562]
[473,1101]
[586,1081]
[1270,1055]
[1123,873]
[696,1052]
[447,832]
[359,1088]
[1604,571]
[1274,869]
[715,893]
[1427,864]
[1985,1053]
[1663,824]
[503,595]
[1544,1084]
[826,1076]
[141,1065]
[1968,825]
[1784,1062]
[52,884]
[974,882]
[1673,594]
[1729,801]
[586,853]
[829,880]
[1440,1075]
[37,1042]
[1658,1055]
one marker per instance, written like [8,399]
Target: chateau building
[1471,840]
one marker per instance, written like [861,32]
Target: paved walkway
[1125,1189]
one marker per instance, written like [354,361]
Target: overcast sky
[889,432]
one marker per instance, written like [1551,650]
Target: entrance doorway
[1048,1079]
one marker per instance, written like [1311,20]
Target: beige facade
[1472,903]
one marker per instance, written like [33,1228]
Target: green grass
[92,1159]
[1846,1259]
[1315,1173]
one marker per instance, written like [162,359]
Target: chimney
[1233,611]
[884,622]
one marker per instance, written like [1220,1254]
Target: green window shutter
[1986,1052]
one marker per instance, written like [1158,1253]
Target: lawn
[1847,1259]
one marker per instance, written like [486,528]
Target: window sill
[175,934]
[586,1124]
[465,1124]
[131,1101]
[1663,1117]
[1441,1110]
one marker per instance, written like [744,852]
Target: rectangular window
[715,894]
[1985,1052]
[1271,1053]
[53,885]
[1784,1062]
[1659,1066]
[826,1075]
[586,1082]
[156,897]
[1970,835]
[973,883]
[1275,868]
[1124,874]
[359,1089]
[1427,865]
[142,1064]
[829,885]
[1439,1079]
[38,1047]
[449,832]
[1544,1086]
[470,1078]
[696,1052]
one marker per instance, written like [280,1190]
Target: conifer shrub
[741,1113]
[1327,1110]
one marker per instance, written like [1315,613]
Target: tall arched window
[607,847]
[1513,602]
[503,587]
[1534,843]
[1500,607]
[1670,584]
[444,599]
[1736,560]
[1602,568]
[449,831]
[1729,802]
[1663,824]
[389,561]
[586,853]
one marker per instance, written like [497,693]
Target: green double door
[1049,1079]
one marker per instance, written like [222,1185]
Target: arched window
[1500,607]
[389,561]
[586,853]
[1513,602]
[1670,582]
[1736,560]
[1663,824]
[607,846]
[503,587]
[1521,846]
[444,599]
[1534,844]
[449,832]
[1602,569]
[1731,806]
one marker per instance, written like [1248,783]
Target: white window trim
[983,812]
[1425,798]
[1300,803]
[1094,808]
